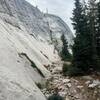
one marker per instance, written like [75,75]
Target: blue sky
[62,8]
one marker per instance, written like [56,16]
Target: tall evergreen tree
[98,28]
[82,43]
[65,53]
[77,17]
[93,31]
[85,55]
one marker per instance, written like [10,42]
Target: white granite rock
[24,39]
[94,84]
[66,80]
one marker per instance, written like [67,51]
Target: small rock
[99,87]
[66,98]
[87,77]
[61,88]
[87,82]
[66,80]
[94,84]
[73,91]
[69,85]
[77,96]
[95,92]
[62,93]
[79,87]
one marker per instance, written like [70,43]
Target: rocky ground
[72,88]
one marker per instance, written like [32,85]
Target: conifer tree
[82,42]
[98,29]
[93,32]
[77,17]
[85,55]
[65,53]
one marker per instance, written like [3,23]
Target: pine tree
[77,16]
[82,43]
[65,53]
[92,21]
[85,55]
[98,29]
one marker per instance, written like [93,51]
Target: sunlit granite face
[25,39]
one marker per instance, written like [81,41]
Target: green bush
[69,70]
[74,71]
[33,65]
[66,57]
[65,68]
[39,85]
